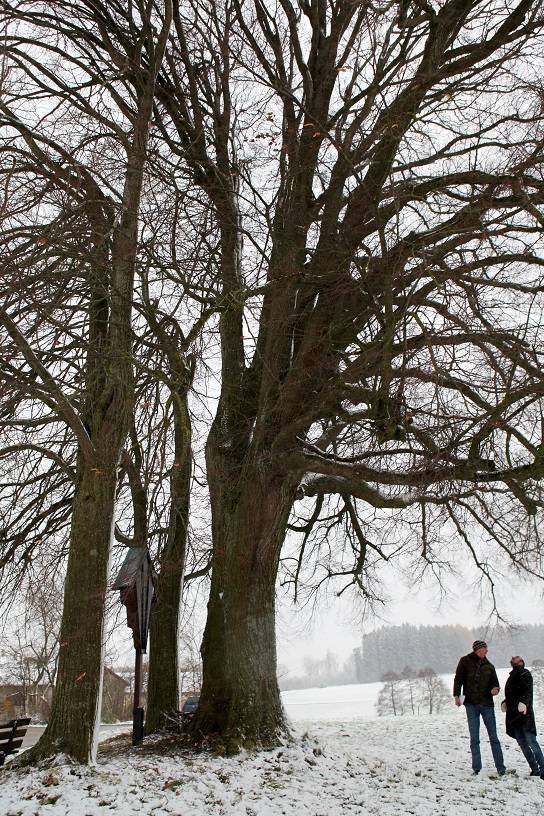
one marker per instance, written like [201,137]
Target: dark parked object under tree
[189,708]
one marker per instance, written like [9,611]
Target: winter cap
[478,645]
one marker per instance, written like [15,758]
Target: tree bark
[163,678]
[240,703]
[77,698]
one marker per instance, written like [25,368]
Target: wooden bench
[11,736]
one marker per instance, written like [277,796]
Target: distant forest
[392,648]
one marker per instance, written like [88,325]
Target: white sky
[339,627]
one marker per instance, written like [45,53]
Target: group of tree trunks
[325,217]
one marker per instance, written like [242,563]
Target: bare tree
[378,273]
[412,692]
[169,543]
[409,678]
[537,670]
[31,645]
[434,693]
[156,464]
[158,461]
[391,697]
[190,663]
[69,71]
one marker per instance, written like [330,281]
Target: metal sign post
[137,593]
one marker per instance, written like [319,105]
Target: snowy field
[346,702]
[344,761]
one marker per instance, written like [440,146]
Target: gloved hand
[503,706]
[522,708]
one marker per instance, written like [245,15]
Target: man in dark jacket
[520,716]
[477,678]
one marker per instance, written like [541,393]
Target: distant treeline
[391,648]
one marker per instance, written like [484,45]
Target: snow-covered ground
[346,702]
[344,761]
[332,702]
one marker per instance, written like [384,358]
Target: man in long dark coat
[520,715]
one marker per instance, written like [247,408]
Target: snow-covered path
[389,767]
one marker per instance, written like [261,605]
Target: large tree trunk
[75,712]
[77,698]
[163,673]
[163,678]
[240,703]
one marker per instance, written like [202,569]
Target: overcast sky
[337,623]
[338,626]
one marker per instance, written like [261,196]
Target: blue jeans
[531,750]
[487,713]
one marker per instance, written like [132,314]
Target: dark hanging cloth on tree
[137,593]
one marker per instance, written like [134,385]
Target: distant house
[16,701]
[116,697]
